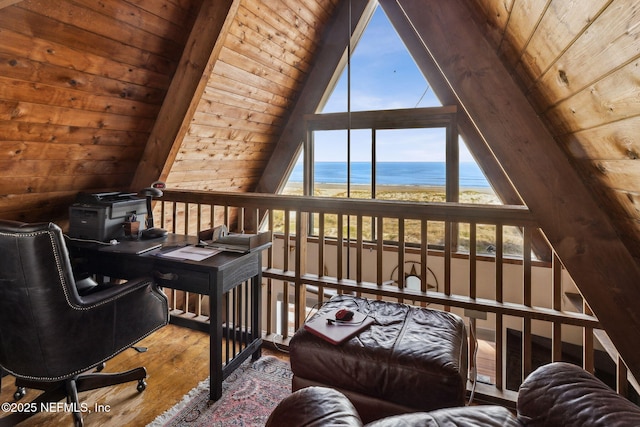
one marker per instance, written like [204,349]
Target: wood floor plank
[177,359]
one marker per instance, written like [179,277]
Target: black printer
[99,216]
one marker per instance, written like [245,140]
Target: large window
[369,154]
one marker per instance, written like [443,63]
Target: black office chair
[50,335]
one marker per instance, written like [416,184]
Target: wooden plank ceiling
[81,84]
[99,96]
[266,55]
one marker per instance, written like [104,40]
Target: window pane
[331,169]
[411,164]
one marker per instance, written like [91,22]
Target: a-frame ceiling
[115,94]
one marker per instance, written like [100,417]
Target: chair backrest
[37,292]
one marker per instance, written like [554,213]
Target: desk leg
[215,337]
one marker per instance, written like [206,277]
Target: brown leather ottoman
[411,359]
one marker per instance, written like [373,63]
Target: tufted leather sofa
[555,395]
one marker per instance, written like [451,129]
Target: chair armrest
[114,292]
[562,394]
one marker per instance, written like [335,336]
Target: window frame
[430,117]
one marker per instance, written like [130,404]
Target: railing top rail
[456,212]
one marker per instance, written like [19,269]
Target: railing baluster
[401,244]
[339,248]
[621,378]
[447,258]
[499,329]
[359,248]
[284,309]
[240,220]
[162,215]
[174,217]
[379,250]
[556,332]
[302,222]
[186,218]
[472,261]
[527,346]
[321,246]
[269,297]
[287,238]
[424,254]
[587,350]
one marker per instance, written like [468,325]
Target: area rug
[249,395]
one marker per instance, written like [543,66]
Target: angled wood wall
[266,56]
[81,84]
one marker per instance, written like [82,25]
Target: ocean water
[394,173]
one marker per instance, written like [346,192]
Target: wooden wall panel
[608,100]
[612,141]
[579,68]
[492,16]
[610,43]
[263,64]
[547,43]
[520,28]
[81,84]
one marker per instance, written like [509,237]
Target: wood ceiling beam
[579,230]
[476,143]
[330,57]
[5,3]
[196,65]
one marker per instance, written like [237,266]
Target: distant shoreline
[389,187]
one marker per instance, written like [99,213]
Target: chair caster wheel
[142,385]
[100,367]
[20,393]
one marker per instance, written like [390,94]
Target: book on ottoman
[328,328]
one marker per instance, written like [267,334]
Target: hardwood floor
[177,360]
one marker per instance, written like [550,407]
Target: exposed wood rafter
[476,144]
[329,58]
[5,3]
[577,227]
[197,62]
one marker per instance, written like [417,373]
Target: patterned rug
[248,396]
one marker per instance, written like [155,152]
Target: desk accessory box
[238,242]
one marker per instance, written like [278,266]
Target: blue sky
[383,76]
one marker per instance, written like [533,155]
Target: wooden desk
[227,278]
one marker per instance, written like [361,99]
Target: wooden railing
[324,246]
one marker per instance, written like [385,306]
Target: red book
[337,332]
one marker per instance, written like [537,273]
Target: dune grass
[485,234]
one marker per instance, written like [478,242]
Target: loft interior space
[476,159]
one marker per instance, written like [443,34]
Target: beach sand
[398,192]
[512,238]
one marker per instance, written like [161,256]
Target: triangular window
[384,76]
[399,141]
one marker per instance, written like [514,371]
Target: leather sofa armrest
[314,407]
[562,394]
[480,415]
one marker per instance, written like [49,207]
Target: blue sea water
[393,173]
